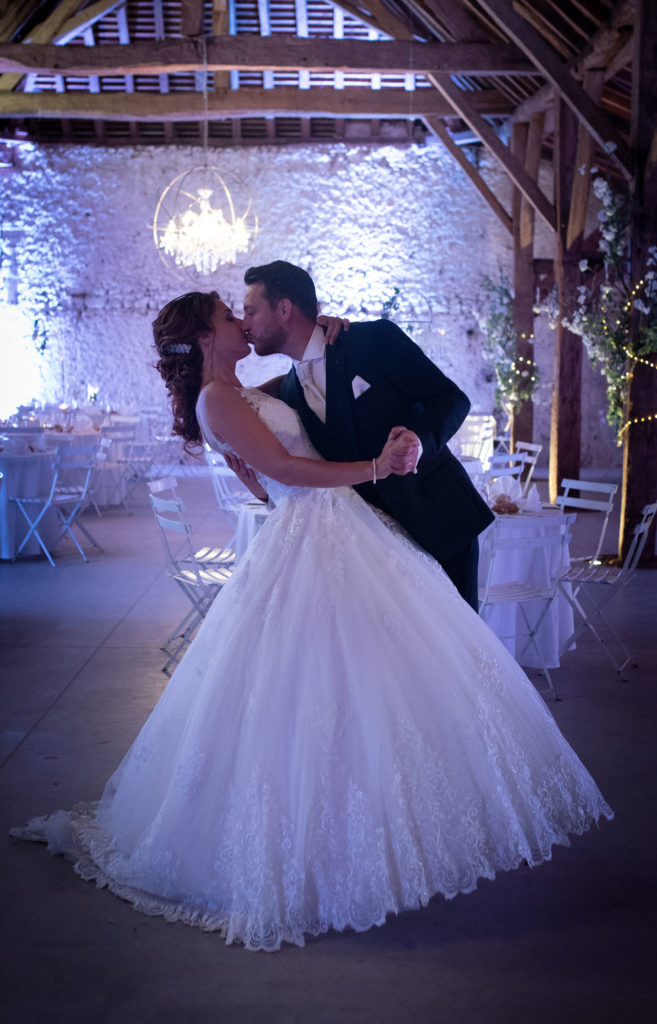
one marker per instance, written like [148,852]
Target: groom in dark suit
[352,393]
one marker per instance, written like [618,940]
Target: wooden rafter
[610,49]
[147,106]
[549,64]
[462,104]
[267,53]
[79,23]
[437,127]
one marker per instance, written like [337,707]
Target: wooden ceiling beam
[556,72]
[437,127]
[76,25]
[246,102]
[246,52]
[463,105]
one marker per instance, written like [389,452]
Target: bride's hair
[176,332]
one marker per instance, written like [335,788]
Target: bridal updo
[176,332]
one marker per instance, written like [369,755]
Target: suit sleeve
[442,405]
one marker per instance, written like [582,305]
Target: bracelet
[373,471]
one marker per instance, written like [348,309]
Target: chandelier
[200,224]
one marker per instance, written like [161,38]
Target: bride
[345,738]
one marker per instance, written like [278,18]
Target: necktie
[314,397]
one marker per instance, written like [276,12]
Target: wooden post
[526,145]
[640,444]
[566,419]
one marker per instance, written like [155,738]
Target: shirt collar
[315,347]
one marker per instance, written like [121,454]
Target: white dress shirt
[311,371]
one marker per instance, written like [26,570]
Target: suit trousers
[462,570]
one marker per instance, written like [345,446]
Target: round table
[27,475]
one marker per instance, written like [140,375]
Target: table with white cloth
[533,565]
[28,475]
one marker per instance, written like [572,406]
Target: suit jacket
[438,506]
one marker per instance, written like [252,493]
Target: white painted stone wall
[80,260]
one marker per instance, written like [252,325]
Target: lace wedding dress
[344,739]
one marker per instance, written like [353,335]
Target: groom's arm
[443,405]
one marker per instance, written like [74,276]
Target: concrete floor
[572,941]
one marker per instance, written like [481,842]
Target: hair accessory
[179,348]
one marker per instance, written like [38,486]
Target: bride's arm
[231,418]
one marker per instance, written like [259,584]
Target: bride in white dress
[345,737]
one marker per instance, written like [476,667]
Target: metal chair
[200,574]
[504,464]
[73,467]
[521,592]
[244,512]
[123,437]
[532,452]
[595,585]
[603,503]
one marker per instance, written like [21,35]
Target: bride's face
[228,332]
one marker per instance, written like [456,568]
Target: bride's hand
[246,475]
[333,324]
[399,455]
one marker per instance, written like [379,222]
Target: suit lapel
[339,408]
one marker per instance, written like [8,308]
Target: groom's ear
[285,310]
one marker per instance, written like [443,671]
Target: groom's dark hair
[283,280]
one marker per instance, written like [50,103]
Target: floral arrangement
[516,376]
[603,315]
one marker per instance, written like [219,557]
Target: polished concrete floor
[572,941]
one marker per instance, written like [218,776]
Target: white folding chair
[532,452]
[73,466]
[102,454]
[520,592]
[474,438]
[603,502]
[200,574]
[244,512]
[589,588]
[123,437]
[504,464]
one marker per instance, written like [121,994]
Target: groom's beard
[269,345]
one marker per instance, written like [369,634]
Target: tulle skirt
[345,738]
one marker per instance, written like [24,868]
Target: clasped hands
[400,453]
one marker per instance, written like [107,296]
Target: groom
[351,393]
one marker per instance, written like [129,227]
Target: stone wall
[83,279]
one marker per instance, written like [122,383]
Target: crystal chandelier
[199,224]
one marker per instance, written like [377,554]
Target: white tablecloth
[25,475]
[530,565]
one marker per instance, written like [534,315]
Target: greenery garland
[516,377]
[604,314]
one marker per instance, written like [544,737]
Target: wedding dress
[345,738]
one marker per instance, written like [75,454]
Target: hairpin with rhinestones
[177,349]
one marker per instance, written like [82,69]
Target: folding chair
[200,574]
[520,592]
[123,437]
[73,466]
[579,586]
[532,452]
[503,464]
[244,512]
[603,503]
[102,453]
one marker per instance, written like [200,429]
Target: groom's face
[262,324]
